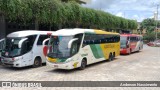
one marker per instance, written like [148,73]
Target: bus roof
[27,33]
[67,32]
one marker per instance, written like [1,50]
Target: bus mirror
[44,42]
[20,42]
[71,41]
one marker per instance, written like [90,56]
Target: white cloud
[151,17]
[136,17]
[100,4]
[120,14]
[131,9]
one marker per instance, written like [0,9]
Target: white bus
[25,48]
[73,48]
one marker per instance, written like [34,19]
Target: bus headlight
[15,59]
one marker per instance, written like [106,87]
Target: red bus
[131,43]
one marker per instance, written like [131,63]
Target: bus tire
[110,57]
[37,62]
[113,56]
[83,64]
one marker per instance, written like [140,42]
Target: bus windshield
[123,41]
[2,44]
[58,47]
[11,48]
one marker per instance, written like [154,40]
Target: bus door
[45,46]
[42,47]
[133,43]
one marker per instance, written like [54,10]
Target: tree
[149,36]
[61,15]
[158,35]
[149,25]
[77,1]
[53,12]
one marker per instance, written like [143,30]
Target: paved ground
[140,66]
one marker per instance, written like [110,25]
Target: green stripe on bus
[61,60]
[97,51]
[90,32]
[100,52]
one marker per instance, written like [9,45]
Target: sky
[130,9]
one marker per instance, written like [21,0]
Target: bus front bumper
[9,62]
[68,65]
[124,51]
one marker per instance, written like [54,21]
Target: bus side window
[32,39]
[1,47]
[2,44]
[74,48]
[26,47]
[106,39]
[28,44]
[41,39]
[86,40]
[118,38]
[109,39]
[131,39]
[46,43]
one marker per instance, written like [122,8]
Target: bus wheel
[110,57]
[83,64]
[113,56]
[37,62]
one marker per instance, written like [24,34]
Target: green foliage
[62,14]
[149,36]
[158,35]
[149,25]
[77,1]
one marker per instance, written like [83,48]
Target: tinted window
[78,42]
[28,44]
[134,39]
[2,44]
[100,39]
[46,43]
[41,39]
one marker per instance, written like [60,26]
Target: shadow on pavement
[17,68]
[131,53]
[63,71]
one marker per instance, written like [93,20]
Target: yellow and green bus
[73,48]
